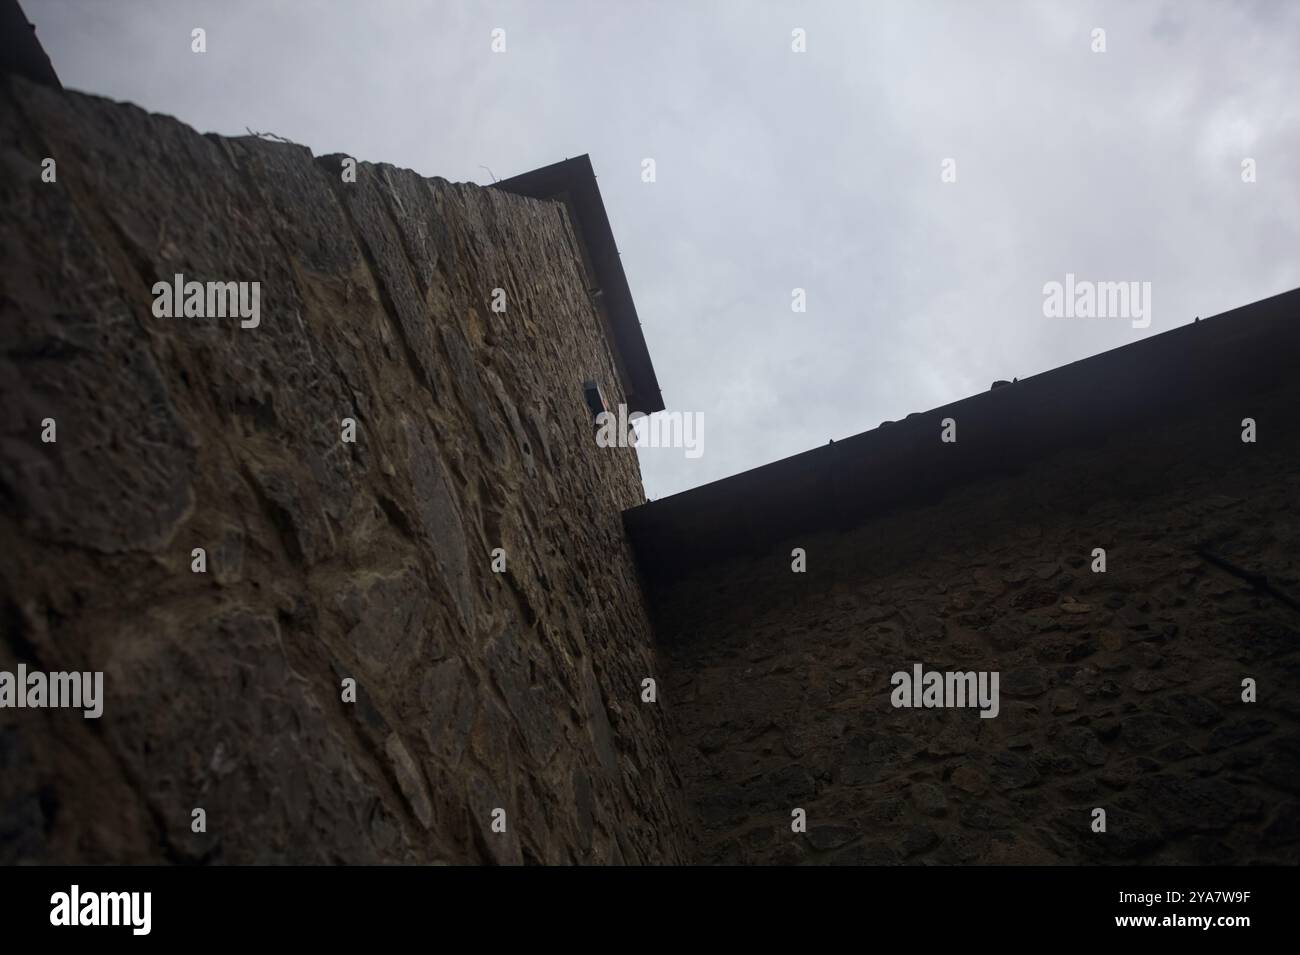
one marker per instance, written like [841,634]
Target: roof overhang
[1206,369]
[573,182]
[20,51]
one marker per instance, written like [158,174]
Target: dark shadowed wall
[1119,690]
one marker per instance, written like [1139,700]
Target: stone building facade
[326,560]
[363,587]
[1119,690]
[1117,540]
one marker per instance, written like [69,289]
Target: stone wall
[1119,690]
[326,560]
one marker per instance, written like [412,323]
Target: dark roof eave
[1180,372]
[20,51]
[574,182]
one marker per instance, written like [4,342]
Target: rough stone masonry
[363,587]
[1123,689]
[323,560]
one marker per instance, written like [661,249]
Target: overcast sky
[778,170]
